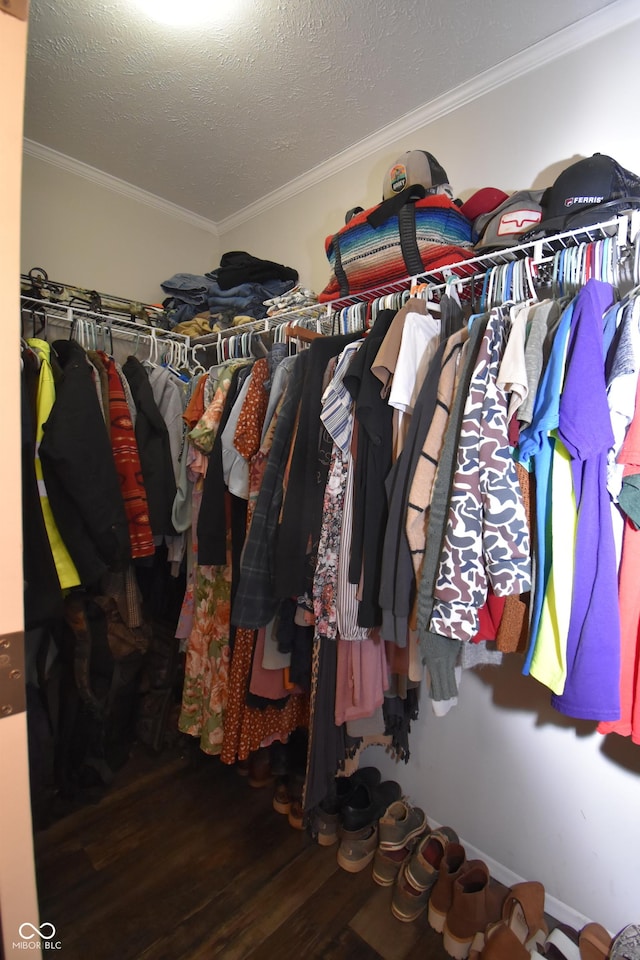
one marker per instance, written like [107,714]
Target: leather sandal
[562,944]
[522,926]
[595,942]
[523,912]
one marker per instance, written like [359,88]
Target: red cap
[483,201]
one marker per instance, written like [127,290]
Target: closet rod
[38,279]
[46,310]
[315,313]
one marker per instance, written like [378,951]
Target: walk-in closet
[320,513]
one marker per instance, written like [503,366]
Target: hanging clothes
[208,595]
[42,593]
[628,724]
[593,643]
[248,724]
[127,461]
[154,447]
[45,400]
[80,474]
[487,538]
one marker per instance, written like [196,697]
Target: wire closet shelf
[624,231]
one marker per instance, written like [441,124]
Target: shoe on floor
[343,788]
[595,943]
[419,873]
[474,906]
[452,864]
[400,824]
[325,825]
[424,866]
[501,943]
[357,848]
[562,944]
[408,901]
[296,814]
[523,913]
[626,946]
[282,796]
[399,829]
[260,774]
[387,864]
[368,803]
[521,929]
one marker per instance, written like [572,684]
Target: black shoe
[368,803]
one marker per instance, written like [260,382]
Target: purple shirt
[593,644]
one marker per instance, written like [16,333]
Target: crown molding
[613,17]
[63,162]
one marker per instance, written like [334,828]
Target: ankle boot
[452,864]
[474,906]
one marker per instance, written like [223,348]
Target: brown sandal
[595,942]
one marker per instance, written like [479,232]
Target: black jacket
[79,471]
[154,449]
[42,594]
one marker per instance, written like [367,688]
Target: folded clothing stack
[296,298]
[240,285]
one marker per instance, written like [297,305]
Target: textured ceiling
[213,119]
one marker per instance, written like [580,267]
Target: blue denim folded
[181,312]
[194,292]
[188,287]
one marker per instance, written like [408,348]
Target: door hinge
[13,697]
[16,8]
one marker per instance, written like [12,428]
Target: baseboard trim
[561,911]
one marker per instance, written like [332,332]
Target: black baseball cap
[589,191]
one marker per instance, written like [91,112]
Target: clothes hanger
[485,290]
[153,357]
[452,288]
[195,367]
[302,334]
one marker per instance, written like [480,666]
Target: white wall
[542,796]
[86,234]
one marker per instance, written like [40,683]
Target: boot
[452,864]
[475,905]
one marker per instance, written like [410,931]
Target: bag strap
[338,269]
[350,214]
[408,242]
[393,206]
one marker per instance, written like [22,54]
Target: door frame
[18,893]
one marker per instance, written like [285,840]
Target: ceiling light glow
[188,13]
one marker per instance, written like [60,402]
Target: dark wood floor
[185,861]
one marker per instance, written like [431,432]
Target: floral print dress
[208,596]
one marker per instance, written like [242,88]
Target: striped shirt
[337,402]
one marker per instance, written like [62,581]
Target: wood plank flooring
[183,860]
